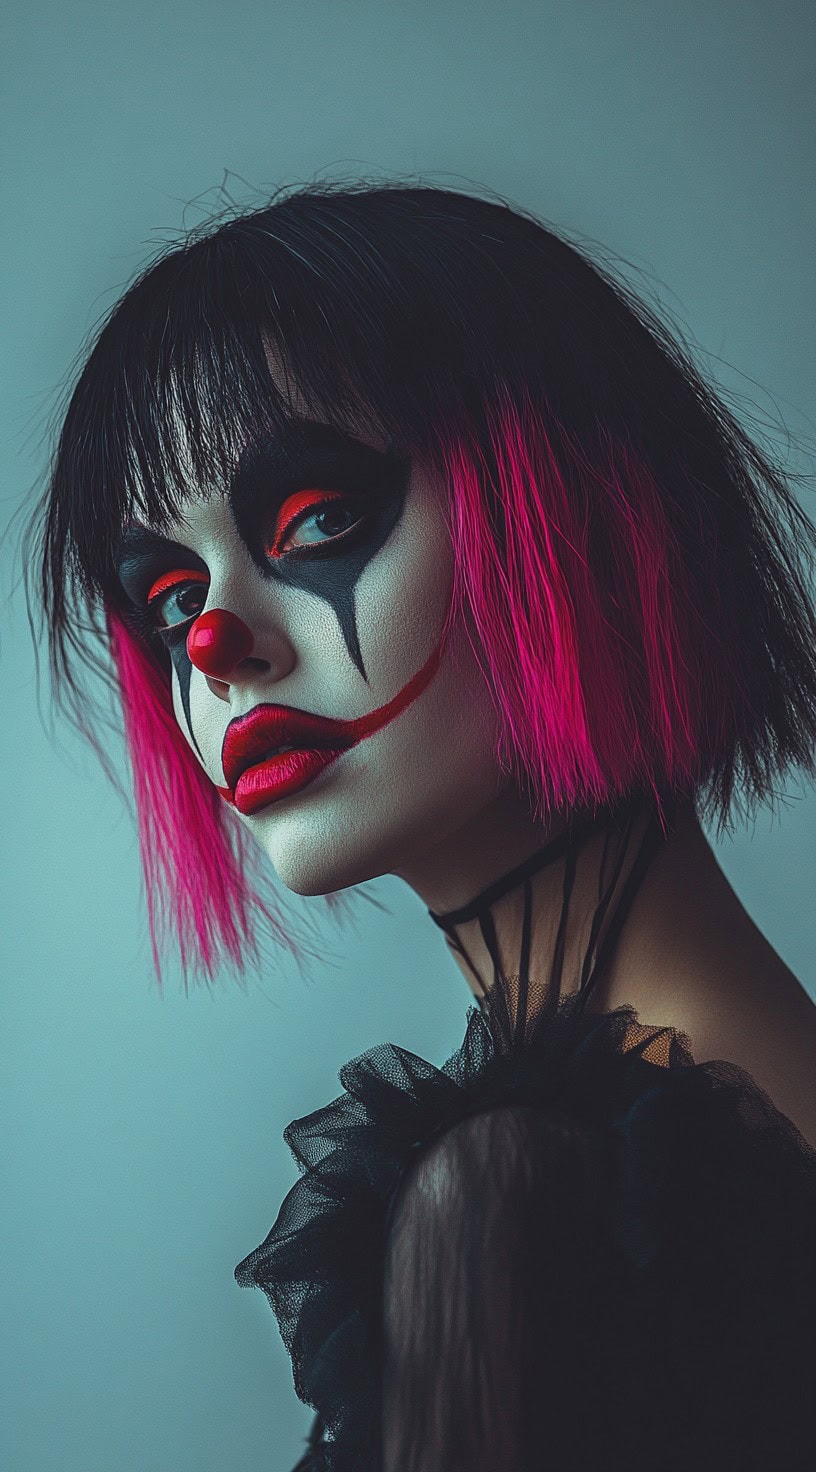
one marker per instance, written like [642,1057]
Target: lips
[261,730]
[256,775]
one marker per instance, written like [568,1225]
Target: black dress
[568,1248]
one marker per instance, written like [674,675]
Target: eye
[312,518]
[177,596]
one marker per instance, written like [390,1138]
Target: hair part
[630,566]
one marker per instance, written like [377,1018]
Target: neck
[591,858]
[463,862]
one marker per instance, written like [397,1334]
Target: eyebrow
[299,450]
[310,453]
[294,437]
[138,542]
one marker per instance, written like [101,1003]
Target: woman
[420,547]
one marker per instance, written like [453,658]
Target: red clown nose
[217,642]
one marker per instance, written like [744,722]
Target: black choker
[569,843]
[574,833]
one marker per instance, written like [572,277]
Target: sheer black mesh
[570,1247]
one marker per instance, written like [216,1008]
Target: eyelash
[304,506]
[165,587]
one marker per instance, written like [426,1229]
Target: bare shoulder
[692,958]
[759,1017]
[765,1022]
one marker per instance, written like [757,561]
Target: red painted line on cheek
[363,726]
[376,719]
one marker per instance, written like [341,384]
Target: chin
[314,858]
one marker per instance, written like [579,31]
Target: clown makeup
[319,582]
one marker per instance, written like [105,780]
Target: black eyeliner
[306,454]
[143,555]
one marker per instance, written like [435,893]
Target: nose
[217,642]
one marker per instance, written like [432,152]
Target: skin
[339,641]
[424,799]
[689,956]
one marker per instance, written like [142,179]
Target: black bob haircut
[580,449]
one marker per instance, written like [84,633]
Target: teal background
[141,1133]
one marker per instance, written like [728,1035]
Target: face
[313,591]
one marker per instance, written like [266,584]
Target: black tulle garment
[568,1248]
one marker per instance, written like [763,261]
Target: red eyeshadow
[292,508]
[173,579]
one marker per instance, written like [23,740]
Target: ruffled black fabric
[712,1209]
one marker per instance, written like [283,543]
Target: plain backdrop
[141,1133]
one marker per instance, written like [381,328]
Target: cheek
[436,766]
[431,769]
[402,602]
[422,776]
[399,792]
[403,594]
[204,719]
[180,712]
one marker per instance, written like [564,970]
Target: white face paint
[411,785]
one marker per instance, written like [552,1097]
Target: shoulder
[749,1011]
[765,1024]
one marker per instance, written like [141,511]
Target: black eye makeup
[311,519]
[312,507]
[303,468]
[164,582]
[177,597]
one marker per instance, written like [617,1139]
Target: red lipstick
[257,774]
[278,777]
